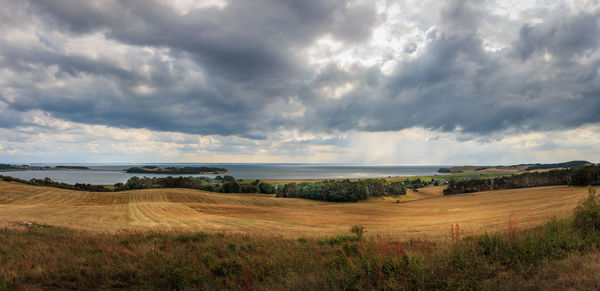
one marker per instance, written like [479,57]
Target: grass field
[181,238]
[419,214]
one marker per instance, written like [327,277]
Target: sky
[289,81]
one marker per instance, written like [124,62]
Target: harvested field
[423,213]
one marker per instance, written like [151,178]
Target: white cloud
[48,139]
[414,88]
[421,146]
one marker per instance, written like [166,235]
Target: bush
[341,191]
[266,188]
[249,188]
[232,187]
[586,216]
[358,230]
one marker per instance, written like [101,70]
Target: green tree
[586,216]
[266,188]
[232,187]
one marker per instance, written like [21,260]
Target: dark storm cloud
[256,78]
[457,84]
[564,37]
[246,41]
[249,52]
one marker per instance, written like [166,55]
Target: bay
[113,173]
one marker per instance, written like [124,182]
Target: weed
[358,230]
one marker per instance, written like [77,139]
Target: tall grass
[49,257]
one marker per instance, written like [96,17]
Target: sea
[113,173]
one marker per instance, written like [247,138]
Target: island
[177,170]
[71,168]
[8,167]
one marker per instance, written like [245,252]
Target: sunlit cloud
[384,82]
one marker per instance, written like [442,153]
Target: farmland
[417,214]
[182,238]
[171,238]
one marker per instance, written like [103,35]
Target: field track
[419,214]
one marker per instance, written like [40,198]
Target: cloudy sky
[375,82]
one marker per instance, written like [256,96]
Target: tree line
[50,183]
[571,164]
[226,184]
[582,176]
[7,167]
[222,184]
[341,191]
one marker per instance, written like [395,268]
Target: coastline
[180,174]
[111,170]
[54,169]
[268,173]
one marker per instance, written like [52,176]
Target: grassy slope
[192,210]
[545,257]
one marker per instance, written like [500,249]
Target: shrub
[266,188]
[586,216]
[337,240]
[249,188]
[358,230]
[231,187]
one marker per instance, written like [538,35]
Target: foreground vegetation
[35,256]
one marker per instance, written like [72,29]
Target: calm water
[113,172]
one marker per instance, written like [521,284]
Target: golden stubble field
[419,214]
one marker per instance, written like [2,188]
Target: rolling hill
[427,214]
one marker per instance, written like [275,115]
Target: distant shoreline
[107,170]
[176,170]
[271,174]
[54,169]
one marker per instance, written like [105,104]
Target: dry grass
[576,272]
[411,195]
[186,209]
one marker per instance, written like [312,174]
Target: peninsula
[177,170]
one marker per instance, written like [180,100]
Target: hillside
[566,165]
[513,168]
[186,209]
